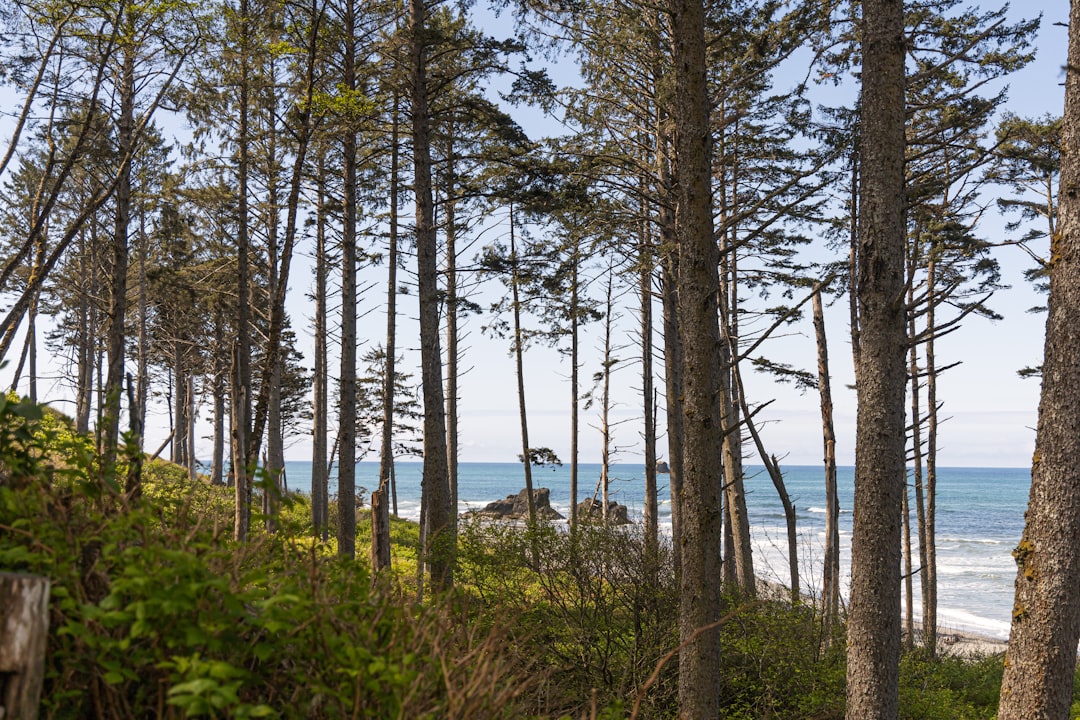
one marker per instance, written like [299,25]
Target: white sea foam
[964,620]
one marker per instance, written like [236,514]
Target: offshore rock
[592,511]
[516,507]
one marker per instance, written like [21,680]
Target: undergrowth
[157,613]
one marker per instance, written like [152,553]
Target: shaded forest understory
[157,612]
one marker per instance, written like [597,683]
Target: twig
[693,636]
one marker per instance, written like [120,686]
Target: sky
[990,411]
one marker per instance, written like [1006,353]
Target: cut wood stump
[24,628]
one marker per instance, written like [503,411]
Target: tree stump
[24,627]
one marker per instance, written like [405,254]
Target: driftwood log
[24,627]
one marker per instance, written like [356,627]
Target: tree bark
[346,534]
[519,364]
[645,280]
[114,378]
[241,386]
[874,619]
[699,336]
[24,630]
[831,572]
[673,389]
[320,515]
[440,540]
[1041,658]
[452,348]
[575,371]
[380,509]
[929,532]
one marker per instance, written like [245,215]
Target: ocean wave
[965,620]
[970,540]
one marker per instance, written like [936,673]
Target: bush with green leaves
[156,612]
[596,607]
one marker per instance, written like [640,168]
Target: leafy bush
[594,609]
[155,612]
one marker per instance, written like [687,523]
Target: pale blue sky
[991,411]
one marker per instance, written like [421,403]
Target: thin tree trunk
[142,371]
[114,379]
[519,352]
[176,454]
[645,279]
[346,534]
[440,539]
[380,523]
[189,394]
[605,406]
[909,612]
[280,275]
[735,493]
[916,459]
[929,572]
[320,410]
[772,466]
[575,370]
[672,350]
[241,392]
[219,380]
[271,376]
[452,350]
[673,390]
[831,571]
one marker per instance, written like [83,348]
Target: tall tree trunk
[452,349]
[1041,659]
[114,379]
[575,379]
[346,534]
[189,395]
[86,334]
[909,597]
[272,357]
[700,600]
[673,390]
[441,541]
[928,535]
[831,572]
[320,410]
[605,404]
[736,514]
[31,348]
[142,372]
[241,386]
[220,381]
[271,377]
[519,363]
[179,379]
[645,279]
[380,511]
[874,618]
[669,259]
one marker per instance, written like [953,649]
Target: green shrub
[156,612]
[594,609]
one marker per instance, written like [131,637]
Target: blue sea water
[980,516]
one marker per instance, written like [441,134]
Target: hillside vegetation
[157,612]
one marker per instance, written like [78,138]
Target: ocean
[980,516]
